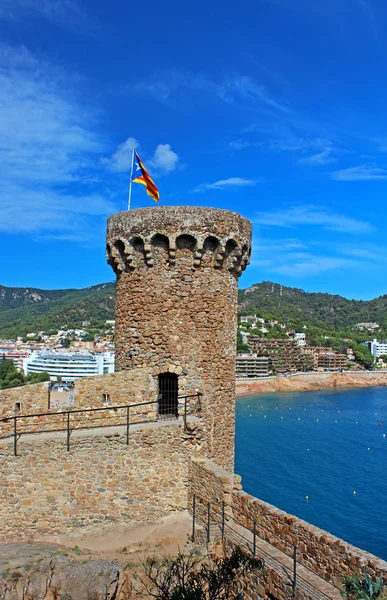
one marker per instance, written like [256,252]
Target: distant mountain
[325,311]
[24,310]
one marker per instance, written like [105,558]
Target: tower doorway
[168,395]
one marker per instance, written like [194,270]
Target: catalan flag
[141,175]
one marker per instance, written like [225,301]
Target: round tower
[176,305]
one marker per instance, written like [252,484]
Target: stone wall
[46,489]
[326,555]
[176,303]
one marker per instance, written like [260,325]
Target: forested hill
[25,310]
[327,311]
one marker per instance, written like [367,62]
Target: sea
[321,456]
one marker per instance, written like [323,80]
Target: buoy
[308,449]
[357,423]
[317,420]
[354,493]
[380,423]
[250,415]
[338,411]
[298,419]
[281,417]
[307,498]
[335,421]
[264,417]
[368,448]
[384,435]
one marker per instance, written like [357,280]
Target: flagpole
[130,183]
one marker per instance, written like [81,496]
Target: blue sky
[273,108]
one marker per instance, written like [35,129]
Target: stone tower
[176,304]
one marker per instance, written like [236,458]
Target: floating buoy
[335,421]
[380,423]
[250,415]
[384,435]
[354,493]
[307,498]
[357,423]
[298,419]
[281,417]
[317,420]
[308,449]
[338,411]
[368,448]
[264,417]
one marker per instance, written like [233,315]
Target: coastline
[308,382]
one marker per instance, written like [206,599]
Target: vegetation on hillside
[24,313]
[326,319]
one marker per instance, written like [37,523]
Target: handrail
[81,410]
[17,434]
[219,509]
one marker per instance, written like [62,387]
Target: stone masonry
[46,490]
[176,303]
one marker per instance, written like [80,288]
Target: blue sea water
[325,445]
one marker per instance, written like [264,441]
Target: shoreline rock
[308,382]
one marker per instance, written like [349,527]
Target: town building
[251,365]
[377,348]
[69,366]
[284,354]
[299,338]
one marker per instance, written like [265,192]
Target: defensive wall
[47,490]
[327,556]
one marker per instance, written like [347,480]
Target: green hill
[24,310]
[325,311]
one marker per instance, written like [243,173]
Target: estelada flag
[141,175]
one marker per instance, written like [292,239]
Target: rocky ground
[90,564]
[305,382]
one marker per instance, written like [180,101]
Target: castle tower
[176,305]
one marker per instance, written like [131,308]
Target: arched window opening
[186,242]
[160,241]
[230,246]
[168,396]
[210,244]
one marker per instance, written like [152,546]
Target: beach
[308,382]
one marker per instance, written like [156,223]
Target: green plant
[363,588]
[190,577]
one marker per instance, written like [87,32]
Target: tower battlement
[216,238]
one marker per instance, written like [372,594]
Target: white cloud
[311,215]
[321,158]
[361,173]
[48,150]
[236,89]
[66,14]
[223,184]
[121,159]
[165,158]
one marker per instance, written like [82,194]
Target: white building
[69,366]
[377,348]
[299,338]
[252,320]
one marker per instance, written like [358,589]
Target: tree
[190,577]
[241,346]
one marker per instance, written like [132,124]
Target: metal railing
[224,524]
[178,409]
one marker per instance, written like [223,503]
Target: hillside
[24,310]
[326,311]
